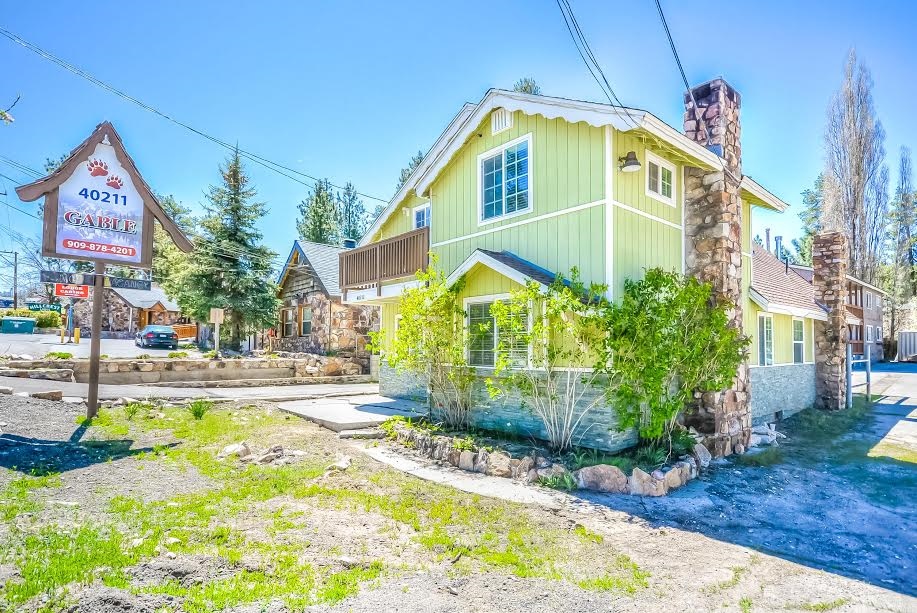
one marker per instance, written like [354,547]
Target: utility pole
[15,277]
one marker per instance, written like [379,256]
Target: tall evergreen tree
[318,215]
[351,213]
[810,215]
[168,260]
[406,171]
[527,85]
[231,268]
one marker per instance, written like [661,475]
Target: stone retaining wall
[134,371]
[787,389]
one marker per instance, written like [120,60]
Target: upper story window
[422,216]
[660,179]
[503,177]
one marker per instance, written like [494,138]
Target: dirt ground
[139,515]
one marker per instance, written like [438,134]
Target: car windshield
[159,329]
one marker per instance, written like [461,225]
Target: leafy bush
[58,355]
[212,354]
[682,442]
[132,408]
[565,482]
[144,356]
[581,458]
[178,354]
[199,408]
[547,357]
[43,319]
[429,343]
[666,339]
[651,456]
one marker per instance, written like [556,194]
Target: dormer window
[503,180]
[660,179]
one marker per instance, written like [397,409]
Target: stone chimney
[713,247]
[829,265]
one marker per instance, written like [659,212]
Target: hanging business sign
[63,290]
[43,306]
[125,283]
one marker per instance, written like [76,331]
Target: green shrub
[132,408]
[199,408]
[178,354]
[565,482]
[58,355]
[650,457]
[765,457]
[210,354]
[47,319]
[144,356]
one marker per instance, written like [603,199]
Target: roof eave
[755,193]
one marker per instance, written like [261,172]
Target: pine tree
[352,213]
[318,221]
[169,260]
[810,215]
[527,85]
[406,172]
[231,268]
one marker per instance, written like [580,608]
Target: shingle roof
[145,299]
[530,270]
[324,261]
[780,285]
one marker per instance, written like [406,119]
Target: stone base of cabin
[781,391]
[401,385]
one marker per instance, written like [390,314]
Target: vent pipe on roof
[767,239]
[778,246]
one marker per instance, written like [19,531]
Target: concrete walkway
[266,393]
[352,412]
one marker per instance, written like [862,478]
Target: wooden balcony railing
[394,258]
[185,330]
[856,311]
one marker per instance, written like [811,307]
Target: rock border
[604,478]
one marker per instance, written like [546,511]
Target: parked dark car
[157,336]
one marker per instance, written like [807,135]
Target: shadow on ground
[827,503]
[34,456]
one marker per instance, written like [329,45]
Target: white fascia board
[444,138]
[485,260]
[370,295]
[782,309]
[757,190]
[866,285]
[757,298]
[664,131]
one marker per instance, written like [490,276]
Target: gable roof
[45,185]
[808,273]
[323,260]
[778,288]
[595,114]
[146,299]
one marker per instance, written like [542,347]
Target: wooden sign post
[98,208]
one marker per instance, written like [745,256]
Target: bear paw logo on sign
[97,168]
[115,182]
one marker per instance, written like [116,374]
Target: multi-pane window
[288,321]
[868,334]
[765,340]
[305,321]
[422,216]
[485,338]
[799,336]
[878,334]
[660,179]
[505,182]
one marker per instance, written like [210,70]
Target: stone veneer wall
[117,315]
[713,250]
[336,327]
[404,385]
[829,263]
[790,388]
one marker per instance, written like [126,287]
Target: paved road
[37,345]
[276,392]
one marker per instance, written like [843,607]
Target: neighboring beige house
[312,318]
[865,313]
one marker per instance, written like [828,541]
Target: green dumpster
[18,325]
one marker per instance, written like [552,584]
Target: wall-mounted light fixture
[629,163]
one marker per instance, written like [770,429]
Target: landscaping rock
[498,465]
[673,479]
[240,450]
[532,476]
[522,469]
[270,455]
[466,460]
[480,464]
[453,456]
[555,470]
[349,368]
[6,390]
[542,462]
[48,395]
[341,465]
[602,478]
[703,455]
[642,484]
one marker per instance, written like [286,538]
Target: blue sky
[350,90]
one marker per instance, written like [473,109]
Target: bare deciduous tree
[856,177]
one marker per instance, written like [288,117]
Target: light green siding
[482,281]
[400,221]
[783,336]
[640,244]
[630,187]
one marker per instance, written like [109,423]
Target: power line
[681,69]
[267,163]
[20,167]
[589,59]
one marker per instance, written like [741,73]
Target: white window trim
[662,163]
[869,337]
[486,299]
[878,334]
[802,343]
[420,207]
[761,339]
[531,189]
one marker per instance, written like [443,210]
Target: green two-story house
[523,187]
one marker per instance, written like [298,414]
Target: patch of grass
[766,457]
[894,451]
[587,535]
[389,425]
[177,354]
[132,408]
[106,421]
[817,425]
[199,408]
[582,458]
[143,356]
[745,604]
[650,457]
[627,580]
[16,498]
[58,355]
[822,606]
[564,482]
[210,355]
[737,573]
